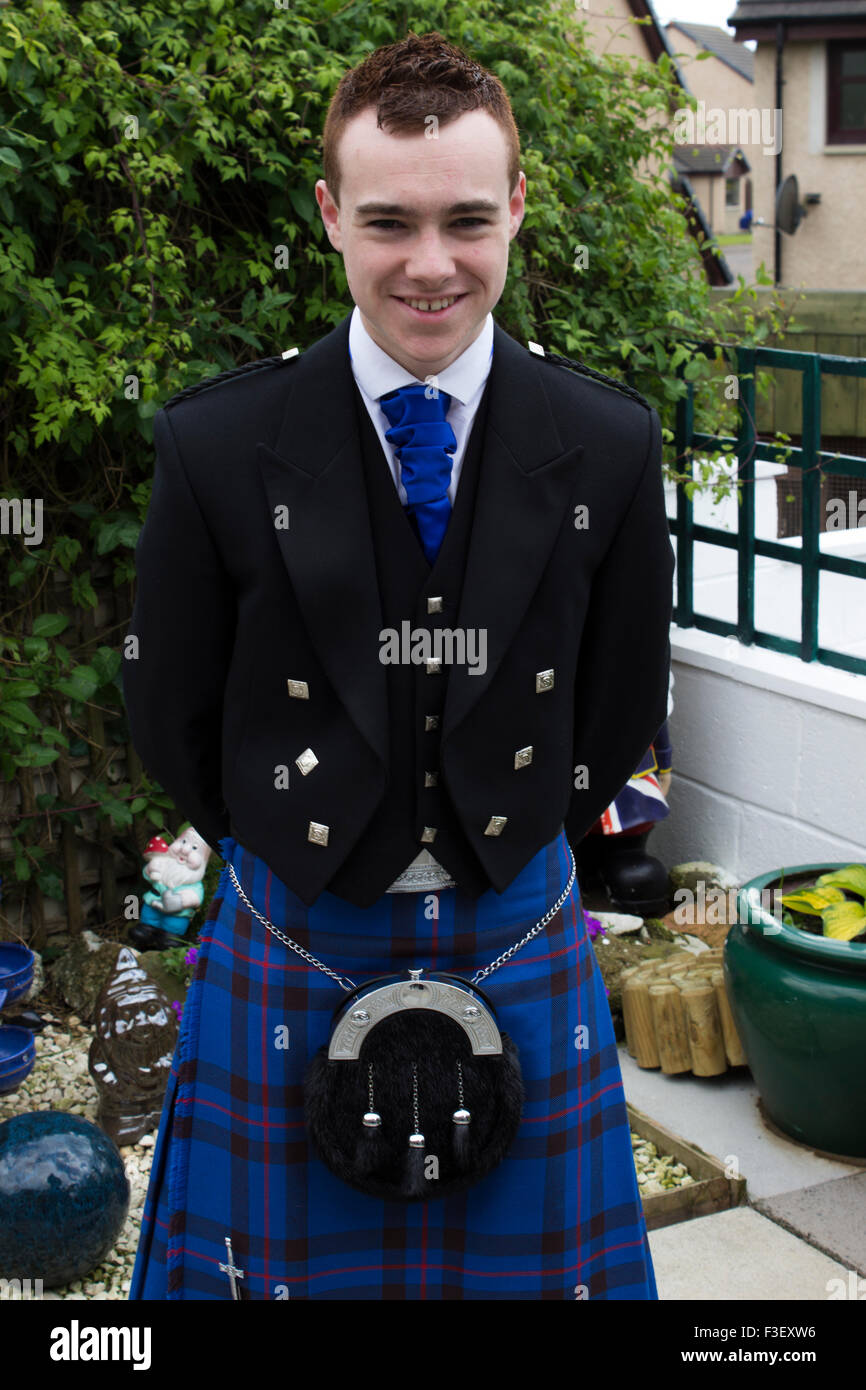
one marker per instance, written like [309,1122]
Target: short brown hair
[421,75]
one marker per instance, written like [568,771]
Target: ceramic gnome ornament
[175,878]
[131,1053]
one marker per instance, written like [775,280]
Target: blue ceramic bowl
[16,970]
[17,1057]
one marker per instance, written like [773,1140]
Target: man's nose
[429,262]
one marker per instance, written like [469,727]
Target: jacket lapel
[525,486]
[315,470]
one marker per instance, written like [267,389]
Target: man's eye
[388,222]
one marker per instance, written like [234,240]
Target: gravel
[60,1081]
[657,1172]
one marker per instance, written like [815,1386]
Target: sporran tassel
[368,1153]
[414,1182]
[460,1142]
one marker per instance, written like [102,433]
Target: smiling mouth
[433,305]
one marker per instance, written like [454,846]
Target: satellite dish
[789,210]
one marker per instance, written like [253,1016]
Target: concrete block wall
[769,765]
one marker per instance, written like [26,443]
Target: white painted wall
[769,751]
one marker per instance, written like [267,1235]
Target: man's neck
[422,370]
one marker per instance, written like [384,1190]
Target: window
[732,193]
[846,93]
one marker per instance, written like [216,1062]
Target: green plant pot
[799,1003]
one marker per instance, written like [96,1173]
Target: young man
[402,616]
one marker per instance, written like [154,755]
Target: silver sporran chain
[348,985]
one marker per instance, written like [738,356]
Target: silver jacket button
[318,834]
[298,690]
[496,825]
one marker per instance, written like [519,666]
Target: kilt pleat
[559,1218]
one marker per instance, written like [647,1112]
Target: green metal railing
[812,461]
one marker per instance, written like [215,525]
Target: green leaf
[814,900]
[853,877]
[303,202]
[106,663]
[50,624]
[35,648]
[844,921]
[22,869]
[16,709]
[51,884]
[81,683]
[121,530]
[20,689]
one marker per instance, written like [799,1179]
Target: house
[722,82]
[631,29]
[810,64]
[717,174]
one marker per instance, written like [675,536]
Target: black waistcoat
[415,697]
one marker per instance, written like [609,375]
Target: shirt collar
[376,372]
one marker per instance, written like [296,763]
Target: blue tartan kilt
[559,1218]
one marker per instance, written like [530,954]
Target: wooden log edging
[677,1015]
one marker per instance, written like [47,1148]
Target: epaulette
[231,373]
[590,372]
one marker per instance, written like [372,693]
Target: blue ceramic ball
[64,1196]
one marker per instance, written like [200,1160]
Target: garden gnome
[175,874]
[131,1053]
[613,852]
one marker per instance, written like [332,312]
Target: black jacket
[258,619]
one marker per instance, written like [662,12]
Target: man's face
[421,220]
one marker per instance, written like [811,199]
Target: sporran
[418,1093]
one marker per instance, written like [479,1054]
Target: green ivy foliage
[154,160]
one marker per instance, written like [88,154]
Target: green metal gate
[812,462]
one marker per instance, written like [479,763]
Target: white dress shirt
[464,380]
[376,373]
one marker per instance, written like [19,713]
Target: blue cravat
[424,442]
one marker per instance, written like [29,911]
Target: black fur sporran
[418,1061]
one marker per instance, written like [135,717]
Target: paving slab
[740,1254]
[720,1115]
[831,1215]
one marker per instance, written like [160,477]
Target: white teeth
[431,305]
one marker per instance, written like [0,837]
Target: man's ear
[517,204]
[330,214]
